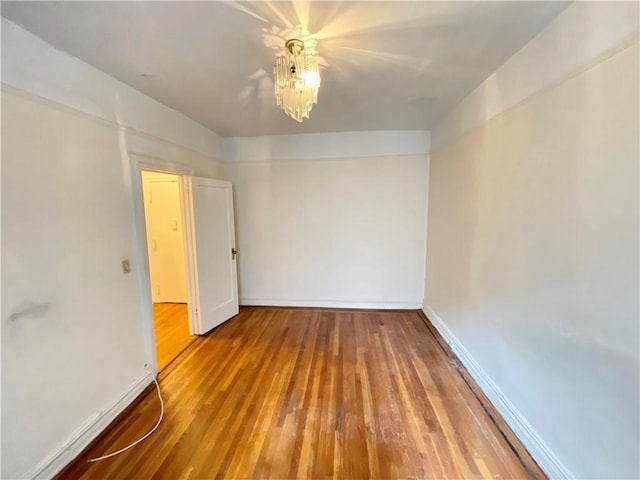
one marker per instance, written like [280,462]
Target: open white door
[215,285]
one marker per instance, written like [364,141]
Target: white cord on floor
[142,438]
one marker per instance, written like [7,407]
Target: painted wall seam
[56,75]
[7,89]
[629,42]
[554,54]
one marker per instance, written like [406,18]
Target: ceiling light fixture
[297,79]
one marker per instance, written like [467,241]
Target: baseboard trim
[532,441]
[262,302]
[88,432]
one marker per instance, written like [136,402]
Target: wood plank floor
[308,393]
[171,324]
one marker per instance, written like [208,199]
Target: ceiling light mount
[294,46]
[297,79]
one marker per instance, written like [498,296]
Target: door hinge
[234,252]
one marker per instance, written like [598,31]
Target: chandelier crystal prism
[297,79]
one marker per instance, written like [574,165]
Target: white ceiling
[390,65]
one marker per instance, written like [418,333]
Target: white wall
[332,232]
[73,352]
[532,263]
[312,146]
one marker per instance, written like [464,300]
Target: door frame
[138,163]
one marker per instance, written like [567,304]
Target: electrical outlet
[126,267]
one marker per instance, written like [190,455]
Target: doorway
[204,213]
[164,225]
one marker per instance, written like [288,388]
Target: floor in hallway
[171,323]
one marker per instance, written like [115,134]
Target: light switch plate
[126,267]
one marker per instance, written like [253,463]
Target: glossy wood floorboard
[171,323]
[303,393]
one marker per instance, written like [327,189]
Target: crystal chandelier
[297,80]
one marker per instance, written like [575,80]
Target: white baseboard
[533,442]
[83,436]
[330,304]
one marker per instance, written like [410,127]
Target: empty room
[320,239]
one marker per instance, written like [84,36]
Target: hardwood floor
[309,393]
[171,324]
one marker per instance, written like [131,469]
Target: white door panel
[164,237]
[214,240]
